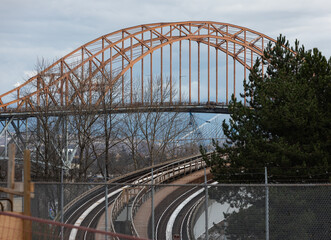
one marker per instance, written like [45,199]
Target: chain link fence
[16,226]
[289,212]
[232,211]
[46,202]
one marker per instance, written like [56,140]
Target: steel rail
[73,208]
[163,174]
[166,175]
[179,208]
[173,204]
[185,223]
[117,179]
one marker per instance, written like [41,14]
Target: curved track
[74,214]
[87,210]
[164,213]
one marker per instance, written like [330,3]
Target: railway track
[174,219]
[164,211]
[88,208]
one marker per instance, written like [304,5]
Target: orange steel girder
[60,83]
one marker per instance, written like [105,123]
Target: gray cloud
[50,29]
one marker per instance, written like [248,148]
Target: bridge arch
[118,56]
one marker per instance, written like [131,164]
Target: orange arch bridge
[180,66]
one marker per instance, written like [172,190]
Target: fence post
[6,142]
[266,204]
[11,173]
[62,173]
[152,185]
[206,205]
[27,196]
[106,205]
[62,199]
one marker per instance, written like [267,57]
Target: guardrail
[183,169]
[140,194]
[85,195]
[164,172]
[192,219]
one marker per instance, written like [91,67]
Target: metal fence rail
[296,211]
[11,227]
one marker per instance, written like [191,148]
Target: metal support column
[62,199]
[152,191]
[216,68]
[198,72]
[65,128]
[234,70]
[208,64]
[142,68]
[27,225]
[161,67]
[26,134]
[106,204]
[206,206]
[151,67]
[190,72]
[266,205]
[6,142]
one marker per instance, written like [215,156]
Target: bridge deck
[64,111]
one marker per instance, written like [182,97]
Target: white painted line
[79,221]
[175,213]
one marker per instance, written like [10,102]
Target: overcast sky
[32,29]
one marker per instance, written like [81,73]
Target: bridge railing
[139,194]
[168,174]
[92,191]
[182,106]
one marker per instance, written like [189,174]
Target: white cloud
[30,74]
[17,84]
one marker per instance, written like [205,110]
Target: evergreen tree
[286,124]
[286,128]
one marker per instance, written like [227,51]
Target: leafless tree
[108,124]
[158,129]
[96,132]
[45,135]
[133,138]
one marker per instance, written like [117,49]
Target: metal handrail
[143,194]
[114,180]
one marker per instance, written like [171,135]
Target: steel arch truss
[108,61]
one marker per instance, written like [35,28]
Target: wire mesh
[235,211]
[15,226]
[295,212]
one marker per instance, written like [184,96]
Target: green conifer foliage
[286,125]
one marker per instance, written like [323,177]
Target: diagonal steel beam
[18,133]
[6,126]
[15,141]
